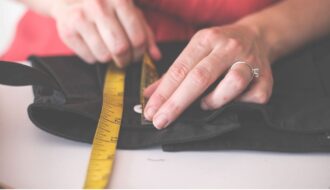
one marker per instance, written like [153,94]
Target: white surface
[10,12]
[32,158]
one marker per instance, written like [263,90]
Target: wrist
[267,37]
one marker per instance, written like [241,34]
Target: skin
[101,30]
[91,28]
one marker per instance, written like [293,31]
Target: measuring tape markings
[107,132]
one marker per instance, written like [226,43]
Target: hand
[208,56]
[104,30]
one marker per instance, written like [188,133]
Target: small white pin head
[138,108]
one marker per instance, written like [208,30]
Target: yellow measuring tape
[107,132]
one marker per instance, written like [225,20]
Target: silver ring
[255,72]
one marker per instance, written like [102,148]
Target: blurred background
[10,13]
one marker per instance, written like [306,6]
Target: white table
[32,158]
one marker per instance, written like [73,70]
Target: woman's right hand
[104,30]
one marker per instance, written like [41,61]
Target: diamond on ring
[255,72]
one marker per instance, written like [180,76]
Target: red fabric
[169,19]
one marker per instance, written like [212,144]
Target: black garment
[68,97]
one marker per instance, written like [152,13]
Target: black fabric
[68,98]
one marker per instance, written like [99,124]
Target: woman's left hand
[209,55]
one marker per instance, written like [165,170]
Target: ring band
[255,72]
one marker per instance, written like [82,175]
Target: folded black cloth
[68,98]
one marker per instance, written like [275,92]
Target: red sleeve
[206,12]
[180,19]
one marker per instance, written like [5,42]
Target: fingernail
[160,121]
[204,106]
[150,112]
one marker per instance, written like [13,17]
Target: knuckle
[206,36]
[98,48]
[68,28]
[234,44]
[67,33]
[159,97]
[199,33]
[261,97]
[237,80]
[201,76]
[211,33]
[97,6]
[95,42]
[121,49]
[173,107]
[178,72]
[77,17]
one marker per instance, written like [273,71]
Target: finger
[76,43]
[196,82]
[113,35]
[233,84]
[151,89]
[190,56]
[259,92]
[132,23]
[94,41]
